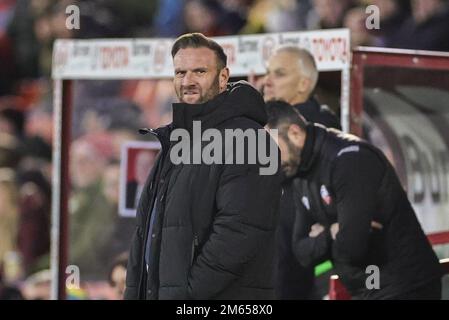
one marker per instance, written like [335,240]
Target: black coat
[312,111]
[293,280]
[343,179]
[214,229]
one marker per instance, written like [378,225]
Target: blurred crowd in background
[107,113]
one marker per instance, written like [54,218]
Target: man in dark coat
[351,202]
[292,76]
[206,231]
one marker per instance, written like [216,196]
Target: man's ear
[296,135]
[304,85]
[223,78]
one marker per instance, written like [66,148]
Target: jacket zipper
[146,225]
[194,246]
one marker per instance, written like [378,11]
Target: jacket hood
[312,146]
[240,99]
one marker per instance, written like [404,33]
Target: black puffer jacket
[213,234]
[343,179]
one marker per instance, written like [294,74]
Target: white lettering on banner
[150,58]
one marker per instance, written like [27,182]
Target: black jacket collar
[239,100]
[315,135]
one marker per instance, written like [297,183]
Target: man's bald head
[291,75]
[306,62]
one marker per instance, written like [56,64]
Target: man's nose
[267,80]
[188,79]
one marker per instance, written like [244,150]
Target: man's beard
[290,167]
[213,91]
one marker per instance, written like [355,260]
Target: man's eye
[200,71]
[180,73]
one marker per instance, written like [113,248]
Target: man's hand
[334,228]
[315,230]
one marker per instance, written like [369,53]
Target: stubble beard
[290,168]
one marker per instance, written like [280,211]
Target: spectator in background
[34,27]
[239,7]
[91,222]
[355,20]
[12,121]
[117,275]
[393,13]
[24,41]
[39,122]
[9,218]
[203,16]
[328,14]
[34,223]
[8,292]
[287,15]
[169,18]
[426,29]
[210,18]
[36,155]
[123,226]
[8,73]
[9,150]
[38,286]
[142,166]
[111,177]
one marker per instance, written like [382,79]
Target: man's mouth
[268,91]
[187,93]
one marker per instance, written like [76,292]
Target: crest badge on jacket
[327,199]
